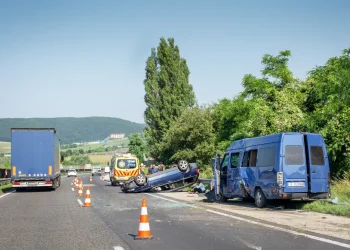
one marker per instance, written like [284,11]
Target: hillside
[72,130]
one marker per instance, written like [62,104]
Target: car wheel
[140,179]
[183,165]
[260,199]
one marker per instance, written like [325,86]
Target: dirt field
[103,158]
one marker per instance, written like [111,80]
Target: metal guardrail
[4,181]
[205,181]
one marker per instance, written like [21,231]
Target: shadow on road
[249,203]
[34,190]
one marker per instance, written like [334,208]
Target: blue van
[289,165]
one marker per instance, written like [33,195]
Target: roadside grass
[5,188]
[339,188]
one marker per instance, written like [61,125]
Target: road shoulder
[328,225]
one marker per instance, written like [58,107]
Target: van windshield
[126,163]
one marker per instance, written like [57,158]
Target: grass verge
[339,188]
[5,188]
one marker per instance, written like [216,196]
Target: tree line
[70,130]
[276,101]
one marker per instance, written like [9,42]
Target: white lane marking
[247,243]
[80,202]
[337,243]
[283,229]
[118,248]
[7,194]
[72,189]
[171,200]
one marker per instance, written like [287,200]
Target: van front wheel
[260,199]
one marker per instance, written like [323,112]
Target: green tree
[168,92]
[69,152]
[7,163]
[137,146]
[81,151]
[270,104]
[328,105]
[191,137]
[78,160]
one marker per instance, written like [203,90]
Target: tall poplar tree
[168,92]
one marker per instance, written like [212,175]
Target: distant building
[116,136]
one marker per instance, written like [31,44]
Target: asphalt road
[55,220]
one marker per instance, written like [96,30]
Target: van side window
[234,160]
[317,156]
[294,155]
[224,163]
[266,156]
[249,159]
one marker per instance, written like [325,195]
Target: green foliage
[272,103]
[71,130]
[275,102]
[77,160]
[190,137]
[267,105]
[137,146]
[168,92]
[328,105]
[5,163]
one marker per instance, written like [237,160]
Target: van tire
[260,199]
[219,198]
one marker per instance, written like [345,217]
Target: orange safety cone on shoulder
[87,202]
[80,192]
[90,178]
[144,229]
[76,182]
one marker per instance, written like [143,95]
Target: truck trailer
[35,158]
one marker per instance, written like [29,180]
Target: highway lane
[176,225]
[52,220]
[26,222]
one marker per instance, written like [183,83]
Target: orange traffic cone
[87,202]
[144,230]
[80,192]
[90,178]
[76,182]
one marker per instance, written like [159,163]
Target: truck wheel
[183,166]
[260,199]
[59,182]
[140,179]
[54,185]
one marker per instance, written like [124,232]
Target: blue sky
[87,58]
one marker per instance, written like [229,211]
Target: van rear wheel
[260,199]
